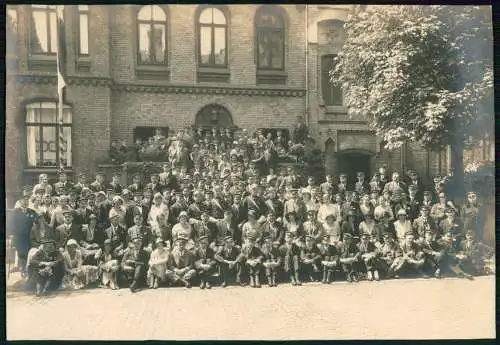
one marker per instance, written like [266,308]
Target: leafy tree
[421,74]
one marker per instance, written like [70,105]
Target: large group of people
[219,215]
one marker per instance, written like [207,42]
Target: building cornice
[175,89]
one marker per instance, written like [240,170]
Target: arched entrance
[352,161]
[213,116]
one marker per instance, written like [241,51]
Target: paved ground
[404,309]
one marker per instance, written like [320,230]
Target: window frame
[47,10]
[212,27]
[80,12]
[40,126]
[151,23]
[279,13]
[324,82]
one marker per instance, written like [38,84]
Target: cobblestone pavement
[404,309]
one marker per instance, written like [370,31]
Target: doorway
[352,162]
[214,116]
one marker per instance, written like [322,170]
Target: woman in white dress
[158,264]
[332,229]
[183,229]
[77,275]
[157,208]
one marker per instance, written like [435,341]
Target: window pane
[159,42]
[67,116]
[205,44]
[144,13]
[206,16]
[264,49]
[84,34]
[48,115]
[159,14]
[67,146]
[220,46]
[83,7]
[332,94]
[33,145]
[53,32]
[38,36]
[144,39]
[267,19]
[218,17]
[277,50]
[49,146]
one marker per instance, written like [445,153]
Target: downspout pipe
[307,65]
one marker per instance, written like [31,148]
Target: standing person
[473,216]
[227,257]
[271,260]
[290,255]
[134,264]
[180,264]
[108,265]
[21,220]
[158,264]
[45,267]
[204,262]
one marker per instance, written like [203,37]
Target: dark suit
[134,264]
[66,186]
[156,188]
[118,238]
[258,205]
[180,266]
[205,257]
[117,188]
[97,187]
[194,210]
[217,207]
[224,268]
[63,234]
[82,216]
[269,160]
[275,205]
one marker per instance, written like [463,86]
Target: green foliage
[419,73]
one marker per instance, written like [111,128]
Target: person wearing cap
[204,263]
[251,258]
[99,183]
[413,258]
[139,230]
[57,216]
[424,223]
[108,265]
[368,257]
[204,227]
[195,209]
[115,184]
[310,258]
[227,258]
[361,186]
[45,267]
[67,230]
[472,214]
[402,225]
[117,234]
[433,252]
[271,260]
[255,202]
[290,257]
[312,226]
[452,222]
[180,264]
[273,203]
[180,205]
[37,230]
[350,224]
[134,208]
[77,275]
[349,257]
[427,200]
[157,264]
[474,255]
[134,264]
[218,204]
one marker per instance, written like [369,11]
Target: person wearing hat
[45,267]
[310,258]
[134,264]
[290,257]
[368,257]
[204,263]
[402,225]
[251,258]
[115,184]
[67,230]
[139,230]
[227,257]
[136,207]
[180,264]
[473,215]
[433,253]
[117,234]
[77,275]
[424,223]
[99,183]
[271,260]
[108,265]
[452,222]
[348,257]
[157,264]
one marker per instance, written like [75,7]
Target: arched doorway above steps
[213,116]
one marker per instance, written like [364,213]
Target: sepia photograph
[249,172]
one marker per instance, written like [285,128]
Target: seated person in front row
[180,264]
[134,264]
[227,257]
[45,267]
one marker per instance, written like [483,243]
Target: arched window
[270,39]
[151,36]
[43,30]
[42,134]
[212,38]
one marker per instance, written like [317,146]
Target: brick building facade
[111,91]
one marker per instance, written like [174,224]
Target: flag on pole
[61,84]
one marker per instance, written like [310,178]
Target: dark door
[352,163]
[214,115]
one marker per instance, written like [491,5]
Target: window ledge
[44,63]
[152,72]
[42,170]
[335,109]
[213,74]
[271,77]
[83,64]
